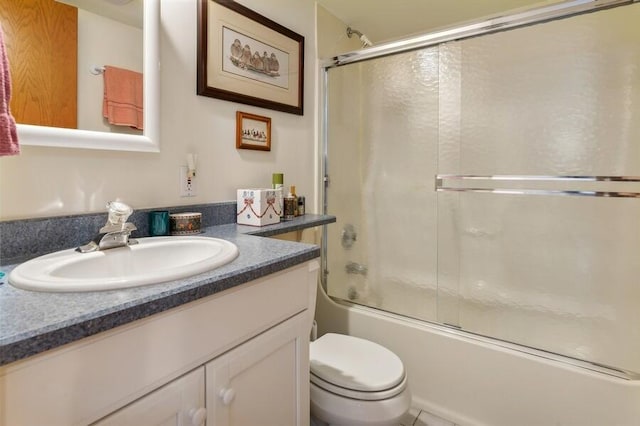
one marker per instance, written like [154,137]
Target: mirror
[149,140]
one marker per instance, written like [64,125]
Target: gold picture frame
[247,58]
[253,131]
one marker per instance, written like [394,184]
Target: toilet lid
[354,363]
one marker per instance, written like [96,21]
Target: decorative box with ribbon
[258,207]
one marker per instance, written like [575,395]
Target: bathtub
[473,381]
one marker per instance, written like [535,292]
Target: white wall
[332,35]
[56,181]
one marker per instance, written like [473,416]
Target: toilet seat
[356,368]
[359,395]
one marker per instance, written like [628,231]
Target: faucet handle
[118,213]
[110,227]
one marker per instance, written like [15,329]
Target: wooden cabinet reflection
[41,38]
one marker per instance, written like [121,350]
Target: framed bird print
[247,58]
[253,131]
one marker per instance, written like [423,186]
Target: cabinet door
[179,403]
[264,381]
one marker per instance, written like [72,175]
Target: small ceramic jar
[185,223]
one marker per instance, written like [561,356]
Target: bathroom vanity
[226,347]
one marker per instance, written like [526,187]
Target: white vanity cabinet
[253,384]
[245,348]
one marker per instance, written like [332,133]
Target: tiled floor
[416,417]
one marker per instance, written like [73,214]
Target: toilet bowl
[356,382]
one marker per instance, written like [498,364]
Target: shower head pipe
[363,38]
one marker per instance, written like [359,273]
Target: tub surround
[34,322]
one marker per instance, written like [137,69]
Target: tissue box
[258,207]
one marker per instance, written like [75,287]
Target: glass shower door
[382,156]
[492,184]
[533,248]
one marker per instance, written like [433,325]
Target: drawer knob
[197,416]
[227,395]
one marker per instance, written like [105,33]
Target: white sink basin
[153,260]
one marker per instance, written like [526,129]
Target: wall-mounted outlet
[187,184]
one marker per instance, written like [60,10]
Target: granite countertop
[33,322]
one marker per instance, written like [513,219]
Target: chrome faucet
[115,233]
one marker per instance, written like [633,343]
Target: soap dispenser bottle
[290,204]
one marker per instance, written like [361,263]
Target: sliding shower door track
[528,350]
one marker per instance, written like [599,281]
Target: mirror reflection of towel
[122,103]
[8,133]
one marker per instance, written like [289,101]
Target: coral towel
[8,134]
[122,104]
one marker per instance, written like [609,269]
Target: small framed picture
[253,131]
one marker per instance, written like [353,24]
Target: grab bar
[442,186]
[543,178]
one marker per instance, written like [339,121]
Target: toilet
[356,382]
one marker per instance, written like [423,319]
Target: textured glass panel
[555,273]
[382,183]
[559,98]
[344,196]
[448,159]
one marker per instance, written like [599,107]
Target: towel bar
[96,69]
